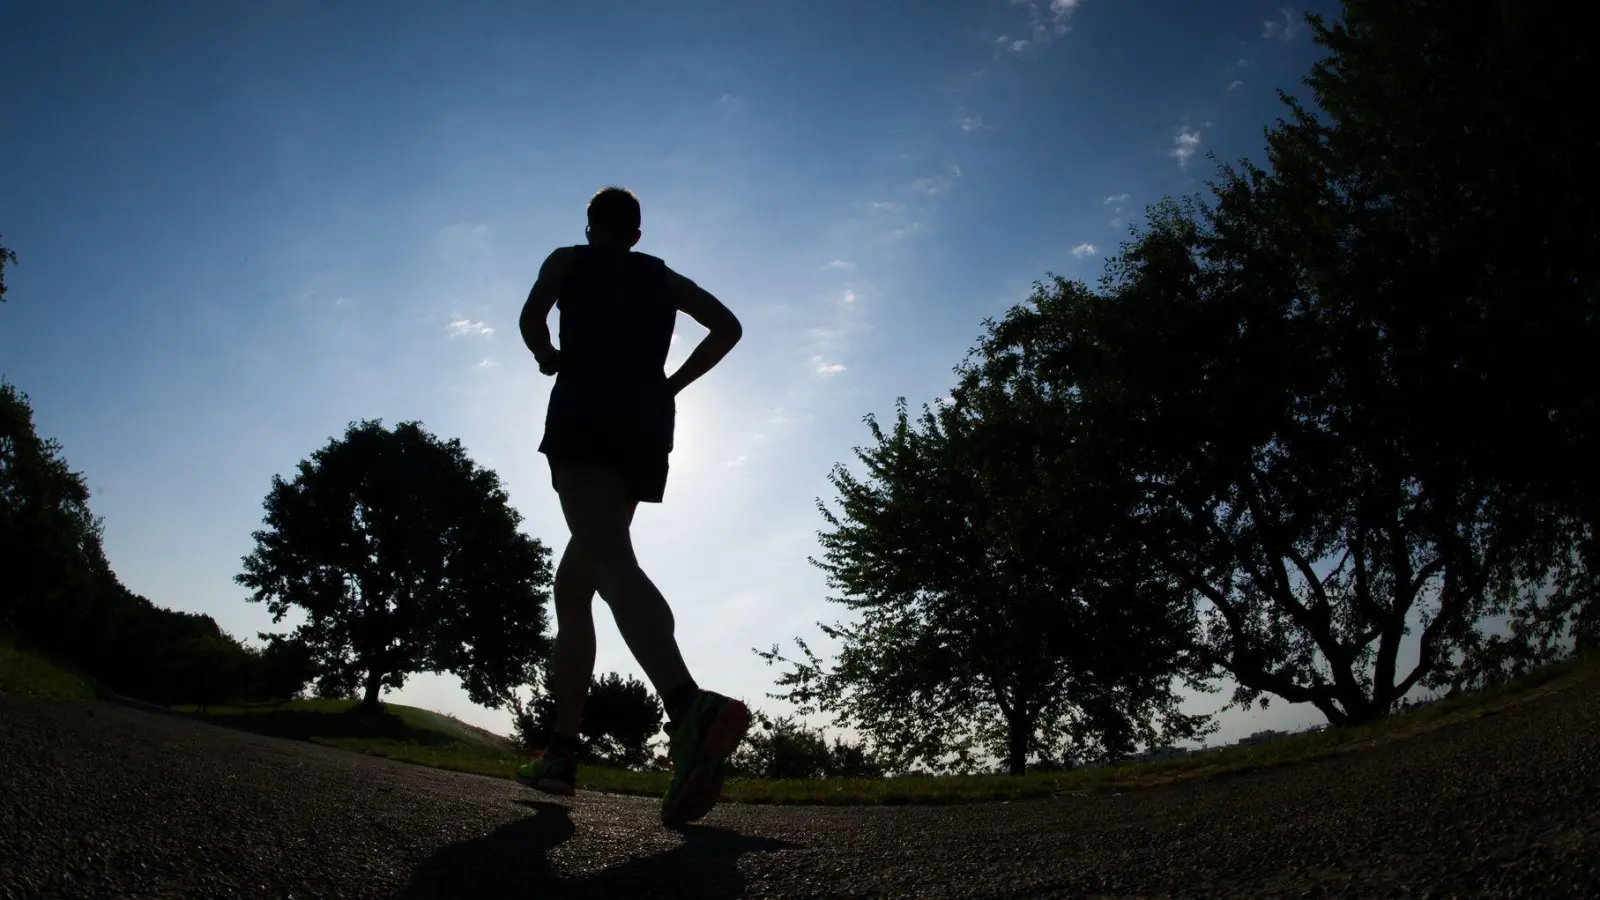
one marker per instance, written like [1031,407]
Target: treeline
[59,596]
[1323,433]
[623,719]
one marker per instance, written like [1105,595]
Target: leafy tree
[1241,424]
[288,667]
[620,717]
[1417,179]
[209,668]
[50,551]
[1279,423]
[986,625]
[6,256]
[404,557]
[339,683]
[533,723]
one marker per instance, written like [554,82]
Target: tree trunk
[1017,753]
[369,700]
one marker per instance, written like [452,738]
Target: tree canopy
[403,556]
[986,626]
[1321,431]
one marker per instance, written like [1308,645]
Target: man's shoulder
[648,260]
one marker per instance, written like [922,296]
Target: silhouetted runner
[608,432]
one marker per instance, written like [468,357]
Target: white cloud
[825,334]
[848,297]
[906,230]
[885,206]
[342,301]
[840,265]
[825,368]
[486,363]
[1047,20]
[1284,30]
[1083,250]
[1185,145]
[728,103]
[1243,63]
[969,124]
[1235,85]
[737,461]
[1114,198]
[1118,222]
[461,326]
[956,170]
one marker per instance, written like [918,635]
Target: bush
[784,748]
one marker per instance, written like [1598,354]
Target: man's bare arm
[535,319]
[725,330]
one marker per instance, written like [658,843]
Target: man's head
[614,217]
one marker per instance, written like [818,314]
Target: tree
[986,625]
[1242,423]
[787,748]
[50,550]
[6,256]
[1301,396]
[1416,179]
[620,717]
[288,667]
[404,556]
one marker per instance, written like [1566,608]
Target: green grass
[30,675]
[427,738]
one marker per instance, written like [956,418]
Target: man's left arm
[535,320]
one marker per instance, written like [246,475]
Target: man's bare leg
[598,513]
[572,663]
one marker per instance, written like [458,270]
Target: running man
[607,435]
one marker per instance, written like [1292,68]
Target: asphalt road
[101,801]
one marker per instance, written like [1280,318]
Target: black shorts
[644,475]
[635,447]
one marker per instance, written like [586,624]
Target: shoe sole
[548,785]
[703,788]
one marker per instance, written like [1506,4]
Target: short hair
[615,209]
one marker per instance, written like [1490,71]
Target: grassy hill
[428,738]
[30,675]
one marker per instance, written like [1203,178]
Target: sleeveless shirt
[616,321]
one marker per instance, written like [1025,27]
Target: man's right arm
[698,304]
[534,322]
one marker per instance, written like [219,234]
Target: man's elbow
[731,331]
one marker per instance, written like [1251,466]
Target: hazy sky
[244,225]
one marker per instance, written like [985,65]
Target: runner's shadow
[513,862]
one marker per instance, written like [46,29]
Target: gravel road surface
[102,801]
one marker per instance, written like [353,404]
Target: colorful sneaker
[554,772]
[701,743]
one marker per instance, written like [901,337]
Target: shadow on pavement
[513,862]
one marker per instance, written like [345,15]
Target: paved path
[101,801]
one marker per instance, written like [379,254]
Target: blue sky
[242,226]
